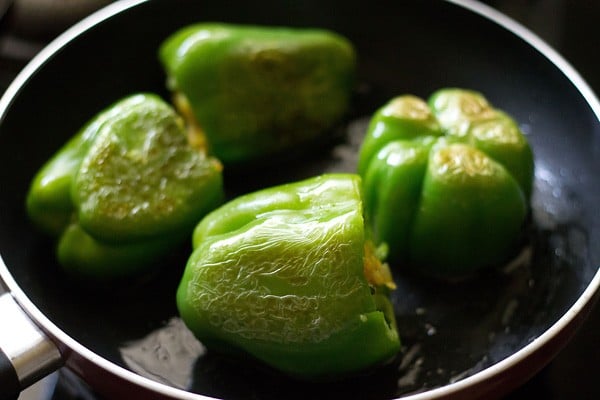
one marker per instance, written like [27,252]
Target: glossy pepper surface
[447,183]
[288,275]
[124,190]
[253,90]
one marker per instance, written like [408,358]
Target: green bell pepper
[124,190]
[82,255]
[288,275]
[254,91]
[447,183]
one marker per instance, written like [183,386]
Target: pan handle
[26,353]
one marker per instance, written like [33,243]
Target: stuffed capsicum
[288,275]
[124,190]
[447,183]
[251,91]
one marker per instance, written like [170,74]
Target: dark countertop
[570,27]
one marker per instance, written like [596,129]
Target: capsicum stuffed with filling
[288,275]
[447,183]
[124,190]
[251,91]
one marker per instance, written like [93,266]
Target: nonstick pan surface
[498,328]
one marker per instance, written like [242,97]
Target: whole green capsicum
[255,90]
[288,275]
[447,183]
[125,189]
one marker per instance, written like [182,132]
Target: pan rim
[583,304]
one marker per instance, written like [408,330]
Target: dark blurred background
[569,26]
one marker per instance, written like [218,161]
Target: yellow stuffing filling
[196,136]
[377,273]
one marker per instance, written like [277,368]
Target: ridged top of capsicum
[446,182]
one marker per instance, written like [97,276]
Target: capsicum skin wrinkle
[251,91]
[285,274]
[124,190]
[447,182]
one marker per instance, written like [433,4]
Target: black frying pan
[478,338]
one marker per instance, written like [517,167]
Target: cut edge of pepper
[380,280]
